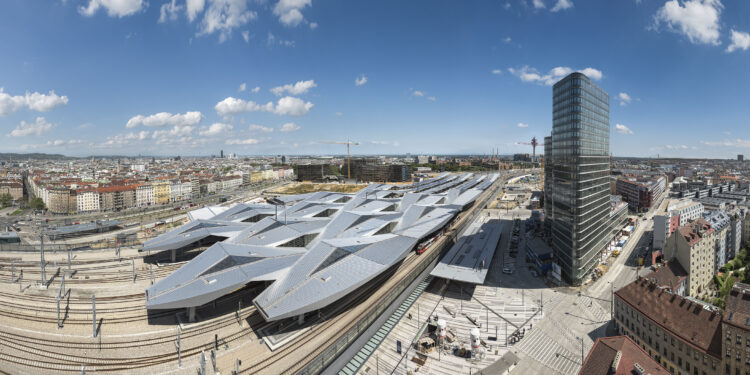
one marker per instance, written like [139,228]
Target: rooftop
[737,312]
[695,231]
[603,357]
[669,275]
[690,321]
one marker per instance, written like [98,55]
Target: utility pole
[43,263]
[93,313]
[133,270]
[179,348]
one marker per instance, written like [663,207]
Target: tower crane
[533,144]
[348,155]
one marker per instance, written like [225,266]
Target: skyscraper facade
[577,170]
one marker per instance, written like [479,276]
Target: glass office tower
[577,170]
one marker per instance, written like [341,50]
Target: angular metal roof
[469,259]
[317,249]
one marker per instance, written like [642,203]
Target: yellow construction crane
[348,155]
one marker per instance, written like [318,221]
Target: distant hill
[33,155]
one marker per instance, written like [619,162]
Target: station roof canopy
[315,248]
[469,259]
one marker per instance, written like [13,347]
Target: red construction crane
[348,155]
[533,144]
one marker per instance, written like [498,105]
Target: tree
[36,204]
[5,200]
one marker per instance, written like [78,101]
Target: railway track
[55,356]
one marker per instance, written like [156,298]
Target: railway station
[285,285]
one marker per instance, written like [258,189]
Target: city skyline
[131,77]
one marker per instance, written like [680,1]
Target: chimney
[616,361]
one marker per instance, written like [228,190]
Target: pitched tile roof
[687,320]
[601,356]
[737,312]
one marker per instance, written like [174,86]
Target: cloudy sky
[192,77]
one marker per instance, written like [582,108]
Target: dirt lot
[302,188]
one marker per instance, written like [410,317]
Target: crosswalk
[540,346]
[594,308]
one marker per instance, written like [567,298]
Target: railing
[84,246]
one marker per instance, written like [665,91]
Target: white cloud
[165,119]
[246,36]
[34,101]
[115,8]
[300,87]
[256,89]
[738,142]
[592,73]
[292,106]
[696,19]
[562,5]
[289,11]
[215,129]
[193,8]
[260,128]
[242,88]
[740,40]
[339,114]
[497,71]
[625,99]
[169,11]
[313,25]
[176,131]
[361,80]
[522,125]
[431,98]
[289,127]
[528,74]
[416,93]
[507,39]
[538,4]
[222,16]
[622,129]
[287,105]
[272,40]
[36,128]
[249,141]
[55,143]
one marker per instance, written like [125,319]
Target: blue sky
[167,77]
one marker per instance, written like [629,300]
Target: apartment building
[61,201]
[14,188]
[144,195]
[161,191]
[116,198]
[719,221]
[677,213]
[735,331]
[694,247]
[180,190]
[87,200]
[641,192]
[670,276]
[684,336]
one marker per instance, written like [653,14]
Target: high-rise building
[740,157]
[221,154]
[577,172]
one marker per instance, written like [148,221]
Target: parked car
[507,270]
